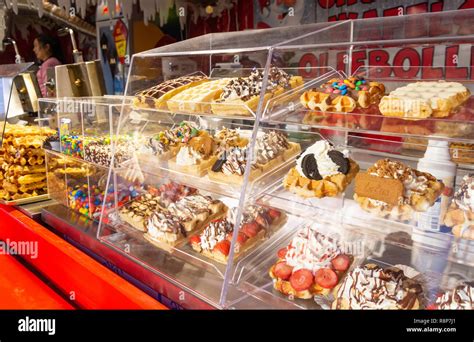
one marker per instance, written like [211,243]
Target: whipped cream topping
[464,196]
[414,181]
[245,88]
[326,166]
[236,159]
[376,288]
[215,232]
[187,156]
[163,224]
[311,250]
[270,145]
[460,298]
[228,137]
[188,207]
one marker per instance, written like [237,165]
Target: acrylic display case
[22,171]
[221,235]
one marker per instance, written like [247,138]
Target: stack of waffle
[23,171]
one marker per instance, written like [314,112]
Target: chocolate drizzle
[371,287]
[245,88]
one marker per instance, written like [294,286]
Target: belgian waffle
[343,95]
[421,100]
[156,96]
[392,189]
[197,99]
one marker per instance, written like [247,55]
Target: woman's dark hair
[53,43]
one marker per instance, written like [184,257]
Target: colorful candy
[89,202]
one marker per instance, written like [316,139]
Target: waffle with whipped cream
[242,95]
[460,214]
[156,96]
[136,212]
[166,144]
[391,189]
[312,264]
[214,241]
[419,100]
[272,148]
[320,171]
[196,156]
[459,298]
[167,227]
[198,99]
[376,288]
[343,95]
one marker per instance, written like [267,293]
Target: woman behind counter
[48,52]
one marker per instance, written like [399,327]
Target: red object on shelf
[90,284]
[20,289]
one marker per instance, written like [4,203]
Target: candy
[344,92]
[337,91]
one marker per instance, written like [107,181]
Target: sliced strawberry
[301,280]
[241,238]
[327,278]
[341,262]
[250,229]
[222,247]
[195,239]
[282,253]
[432,307]
[274,214]
[282,270]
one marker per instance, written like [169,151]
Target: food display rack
[363,48]
[14,101]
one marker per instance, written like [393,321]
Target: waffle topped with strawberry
[214,241]
[312,264]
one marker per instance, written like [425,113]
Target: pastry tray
[28,200]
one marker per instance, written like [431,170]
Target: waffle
[460,214]
[156,97]
[371,287]
[311,253]
[343,95]
[23,161]
[241,96]
[215,240]
[421,100]
[393,190]
[271,150]
[22,131]
[136,212]
[462,152]
[197,156]
[329,187]
[167,228]
[33,142]
[197,99]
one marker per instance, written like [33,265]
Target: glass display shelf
[218,152]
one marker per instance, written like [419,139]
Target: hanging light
[209,9]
